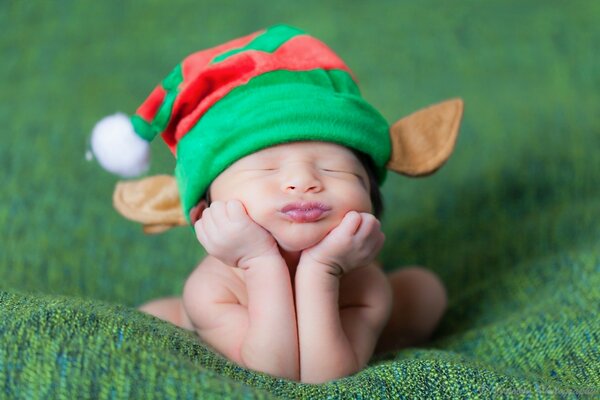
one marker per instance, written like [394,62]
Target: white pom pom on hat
[118,148]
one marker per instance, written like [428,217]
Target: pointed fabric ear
[153,202]
[423,141]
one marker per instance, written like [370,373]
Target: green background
[511,223]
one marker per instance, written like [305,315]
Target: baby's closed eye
[341,171]
[345,171]
[260,167]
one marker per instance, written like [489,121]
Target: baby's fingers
[201,233]
[350,223]
[211,219]
[218,210]
[236,210]
[369,225]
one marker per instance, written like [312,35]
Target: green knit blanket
[511,224]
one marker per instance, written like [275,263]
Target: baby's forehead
[314,149]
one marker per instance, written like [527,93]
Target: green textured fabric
[274,108]
[510,223]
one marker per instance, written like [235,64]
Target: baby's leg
[419,301]
[169,309]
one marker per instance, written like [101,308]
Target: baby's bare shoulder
[215,301]
[365,286]
[213,281]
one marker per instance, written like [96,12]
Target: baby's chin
[295,241]
[293,246]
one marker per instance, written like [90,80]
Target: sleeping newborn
[290,286]
[279,161]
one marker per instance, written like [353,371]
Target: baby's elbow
[198,300]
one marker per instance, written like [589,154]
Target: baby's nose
[301,180]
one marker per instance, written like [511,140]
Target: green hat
[274,86]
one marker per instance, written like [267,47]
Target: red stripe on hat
[198,61]
[204,85]
[194,64]
[151,105]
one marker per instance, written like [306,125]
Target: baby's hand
[354,243]
[229,234]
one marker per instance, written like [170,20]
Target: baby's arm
[263,335]
[336,337]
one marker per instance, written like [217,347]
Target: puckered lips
[305,211]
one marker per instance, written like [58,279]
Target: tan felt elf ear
[153,202]
[423,141]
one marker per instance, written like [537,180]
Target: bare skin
[301,299]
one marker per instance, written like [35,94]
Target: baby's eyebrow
[260,163]
[341,163]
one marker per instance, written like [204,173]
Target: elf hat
[274,86]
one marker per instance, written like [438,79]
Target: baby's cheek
[335,219]
[351,196]
[261,218]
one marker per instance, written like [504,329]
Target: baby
[279,162]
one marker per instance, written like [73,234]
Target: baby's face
[297,191]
